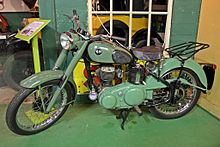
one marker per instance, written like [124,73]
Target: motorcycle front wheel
[185,98]
[25,114]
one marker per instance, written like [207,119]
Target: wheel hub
[180,93]
[38,106]
[28,72]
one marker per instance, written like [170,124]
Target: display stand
[30,33]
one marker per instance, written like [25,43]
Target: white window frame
[130,13]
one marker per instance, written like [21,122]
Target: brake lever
[75,18]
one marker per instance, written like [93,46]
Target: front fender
[41,77]
[191,64]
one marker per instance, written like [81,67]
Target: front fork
[77,55]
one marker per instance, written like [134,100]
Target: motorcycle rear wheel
[186,100]
[25,116]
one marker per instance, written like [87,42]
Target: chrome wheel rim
[30,115]
[185,94]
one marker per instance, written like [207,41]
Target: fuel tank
[107,52]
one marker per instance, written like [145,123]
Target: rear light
[209,70]
[214,66]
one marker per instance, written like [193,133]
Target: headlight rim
[66,38]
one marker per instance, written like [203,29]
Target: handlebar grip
[12,41]
[83,32]
[118,38]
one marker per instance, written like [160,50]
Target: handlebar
[118,38]
[11,39]
[108,37]
[85,34]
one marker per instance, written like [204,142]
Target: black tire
[17,67]
[120,29]
[12,113]
[164,111]
[139,39]
[141,43]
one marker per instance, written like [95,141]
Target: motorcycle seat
[148,53]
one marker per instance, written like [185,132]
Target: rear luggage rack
[186,50]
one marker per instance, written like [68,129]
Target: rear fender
[191,64]
[173,63]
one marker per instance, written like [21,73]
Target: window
[141,22]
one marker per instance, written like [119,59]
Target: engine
[107,74]
[136,74]
[122,95]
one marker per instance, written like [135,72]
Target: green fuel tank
[107,52]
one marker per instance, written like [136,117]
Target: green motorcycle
[169,87]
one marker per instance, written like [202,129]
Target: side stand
[123,115]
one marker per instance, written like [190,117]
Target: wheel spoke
[31,116]
[41,98]
[185,94]
[25,114]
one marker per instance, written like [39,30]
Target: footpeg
[138,110]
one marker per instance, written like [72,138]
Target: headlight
[65,41]
[68,40]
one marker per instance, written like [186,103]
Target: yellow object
[79,78]
[30,20]
[38,117]
[137,23]
[208,32]
[141,62]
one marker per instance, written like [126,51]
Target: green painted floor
[86,125]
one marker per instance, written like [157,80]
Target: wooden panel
[209,31]
[50,36]
[184,21]
[67,7]
[55,10]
